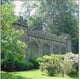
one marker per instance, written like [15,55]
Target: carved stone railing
[45,35]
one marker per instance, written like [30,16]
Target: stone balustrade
[45,35]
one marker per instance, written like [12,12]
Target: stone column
[67,40]
[59,50]
[51,49]
[27,52]
[40,51]
[40,45]
[68,44]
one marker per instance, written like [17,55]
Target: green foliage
[11,65]
[70,63]
[7,16]
[57,64]
[35,23]
[56,16]
[73,61]
[35,63]
[50,64]
[12,48]
[8,65]
[5,1]
[66,67]
[59,17]
[23,65]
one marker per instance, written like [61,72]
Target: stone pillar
[27,52]
[59,49]
[51,49]
[40,51]
[68,44]
[67,40]
[40,44]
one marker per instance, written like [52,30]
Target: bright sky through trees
[18,8]
[18,5]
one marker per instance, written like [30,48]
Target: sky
[17,7]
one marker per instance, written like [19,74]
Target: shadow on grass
[74,75]
[44,74]
[11,76]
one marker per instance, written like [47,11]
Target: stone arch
[46,49]
[33,49]
[55,49]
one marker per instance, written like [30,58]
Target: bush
[23,65]
[50,64]
[72,60]
[59,64]
[66,67]
[8,65]
[69,64]
[34,62]
[11,65]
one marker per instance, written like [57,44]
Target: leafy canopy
[54,16]
[11,47]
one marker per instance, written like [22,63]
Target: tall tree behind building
[57,16]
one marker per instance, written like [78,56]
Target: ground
[32,74]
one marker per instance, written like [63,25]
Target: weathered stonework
[44,42]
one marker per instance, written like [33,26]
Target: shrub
[34,62]
[16,65]
[66,66]
[72,59]
[50,64]
[8,65]
[59,64]
[23,65]
[69,64]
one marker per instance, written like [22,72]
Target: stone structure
[43,43]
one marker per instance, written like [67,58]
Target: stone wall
[44,42]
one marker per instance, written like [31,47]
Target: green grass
[32,74]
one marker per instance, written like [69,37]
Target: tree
[5,1]
[12,49]
[34,22]
[57,16]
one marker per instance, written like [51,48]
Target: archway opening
[33,50]
[55,49]
[46,49]
[63,50]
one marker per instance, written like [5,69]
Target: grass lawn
[32,74]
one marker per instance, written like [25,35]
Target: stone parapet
[45,35]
